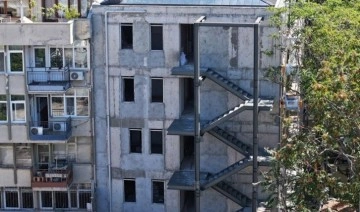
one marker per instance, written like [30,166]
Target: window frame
[14,51]
[126,89]
[4,102]
[5,198]
[154,97]
[124,37]
[160,195]
[27,191]
[78,46]
[13,104]
[131,140]
[153,43]
[45,53]
[131,189]
[66,97]
[2,51]
[151,141]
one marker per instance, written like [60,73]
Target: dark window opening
[84,198]
[46,199]
[156,137]
[129,89]
[188,145]
[158,191]
[129,191]
[156,37]
[126,36]
[27,200]
[73,199]
[156,90]
[61,199]
[135,141]
[187,41]
[11,199]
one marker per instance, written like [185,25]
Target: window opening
[61,199]
[16,59]
[27,199]
[84,198]
[40,57]
[135,141]
[187,41]
[158,191]
[126,36]
[75,102]
[3,108]
[128,88]
[156,137]
[18,112]
[156,37]
[11,199]
[129,190]
[46,199]
[156,90]
[2,59]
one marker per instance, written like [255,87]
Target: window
[80,54]
[156,137]
[11,199]
[128,89]
[158,192]
[61,199]
[16,59]
[18,112]
[84,198]
[74,56]
[39,57]
[3,108]
[56,57]
[156,37]
[73,199]
[46,199]
[156,90]
[135,141]
[126,36]
[2,59]
[75,102]
[27,199]
[129,190]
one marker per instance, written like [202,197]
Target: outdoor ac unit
[36,130]
[59,126]
[76,75]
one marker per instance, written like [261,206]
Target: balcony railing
[59,175]
[50,130]
[48,79]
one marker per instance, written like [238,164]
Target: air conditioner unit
[36,130]
[59,126]
[76,75]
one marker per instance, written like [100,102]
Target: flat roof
[262,3]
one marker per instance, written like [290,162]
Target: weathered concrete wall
[229,51]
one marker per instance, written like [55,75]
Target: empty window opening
[126,36]
[158,191]
[187,152]
[187,199]
[11,199]
[135,141]
[61,199]
[187,41]
[156,37]
[188,85]
[156,137]
[27,199]
[157,90]
[129,190]
[128,88]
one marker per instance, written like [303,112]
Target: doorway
[187,41]
[42,111]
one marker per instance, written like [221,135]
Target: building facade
[143,55]
[46,149]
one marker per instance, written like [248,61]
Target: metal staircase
[216,180]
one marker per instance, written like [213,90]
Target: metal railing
[50,130]
[47,74]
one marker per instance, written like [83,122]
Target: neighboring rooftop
[263,3]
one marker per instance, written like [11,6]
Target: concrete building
[143,55]
[46,145]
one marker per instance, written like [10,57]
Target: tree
[322,160]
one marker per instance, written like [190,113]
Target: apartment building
[46,149]
[144,56]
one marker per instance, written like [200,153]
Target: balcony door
[42,111]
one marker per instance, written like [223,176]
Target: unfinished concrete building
[46,161]
[143,56]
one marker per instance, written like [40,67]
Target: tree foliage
[321,160]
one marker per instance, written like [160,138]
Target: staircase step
[227,84]
[233,194]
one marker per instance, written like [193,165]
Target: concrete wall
[229,51]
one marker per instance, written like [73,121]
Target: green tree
[322,160]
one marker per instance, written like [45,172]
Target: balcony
[45,80]
[58,176]
[50,130]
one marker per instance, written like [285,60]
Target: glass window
[135,141]
[3,108]
[126,36]
[156,37]
[11,199]
[129,190]
[18,112]
[2,59]
[56,57]
[158,191]
[74,103]
[84,198]
[156,90]
[61,199]
[39,57]
[57,106]
[73,199]
[46,199]
[27,199]
[68,57]
[16,61]
[156,137]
